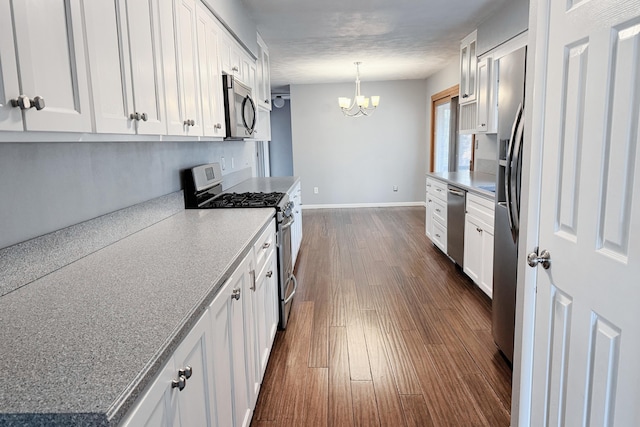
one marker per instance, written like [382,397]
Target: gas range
[203,190]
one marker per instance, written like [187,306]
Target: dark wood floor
[384,330]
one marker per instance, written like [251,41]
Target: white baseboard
[364,205]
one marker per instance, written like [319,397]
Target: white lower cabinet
[478,242]
[214,376]
[436,219]
[173,399]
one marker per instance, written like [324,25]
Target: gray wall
[45,186]
[280,148]
[506,23]
[359,160]
[233,14]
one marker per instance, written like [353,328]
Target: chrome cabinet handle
[144,117]
[189,122]
[134,116]
[235,294]
[185,372]
[180,383]
[218,126]
[252,273]
[269,273]
[266,245]
[25,103]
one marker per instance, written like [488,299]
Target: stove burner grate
[245,200]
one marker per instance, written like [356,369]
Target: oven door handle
[288,224]
[295,287]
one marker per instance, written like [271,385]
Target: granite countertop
[80,344]
[280,184]
[476,182]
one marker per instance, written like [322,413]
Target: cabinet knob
[235,294]
[192,122]
[266,245]
[266,101]
[186,372]
[235,69]
[269,273]
[479,230]
[466,95]
[134,116]
[180,383]
[38,103]
[144,117]
[189,122]
[218,126]
[22,101]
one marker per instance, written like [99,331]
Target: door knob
[544,258]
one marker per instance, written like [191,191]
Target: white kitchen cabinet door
[478,253]
[240,332]
[187,66]
[428,219]
[485,281]
[222,361]
[213,122]
[10,116]
[263,85]
[193,353]
[108,50]
[50,49]
[265,312]
[468,62]
[146,65]
[487,109]
[158,405]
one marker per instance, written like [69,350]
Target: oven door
[288,281]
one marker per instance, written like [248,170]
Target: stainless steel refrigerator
[511,69]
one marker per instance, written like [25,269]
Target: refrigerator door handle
[508,168]
[514,210]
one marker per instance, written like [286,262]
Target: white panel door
[146,65]
[587,346]
[10,116]
[51,59]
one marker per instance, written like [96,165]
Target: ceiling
[318,41]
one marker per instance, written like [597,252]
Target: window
[450,151]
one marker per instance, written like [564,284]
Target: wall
[233,15]
[357,161]
[508,21]
[280,147]
[443,79]
[45,186]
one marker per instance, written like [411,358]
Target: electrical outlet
[315,190]
[395,188]
[222,164]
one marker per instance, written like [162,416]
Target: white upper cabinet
[210,76]
[468,68]
[487,97]
[43,41]
[126,67]
[263,79]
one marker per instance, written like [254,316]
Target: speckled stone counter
[80,344]
[281,184]
[476,182]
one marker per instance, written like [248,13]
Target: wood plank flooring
[384,331]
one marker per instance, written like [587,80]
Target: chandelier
[360,105]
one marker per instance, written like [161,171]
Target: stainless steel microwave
[239,109]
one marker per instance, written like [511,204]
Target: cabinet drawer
[481,208]
[439,236]
[437,188]
[265,245]
[439,211]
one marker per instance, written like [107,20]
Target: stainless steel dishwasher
[455,223]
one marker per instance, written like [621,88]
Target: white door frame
[537,58]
